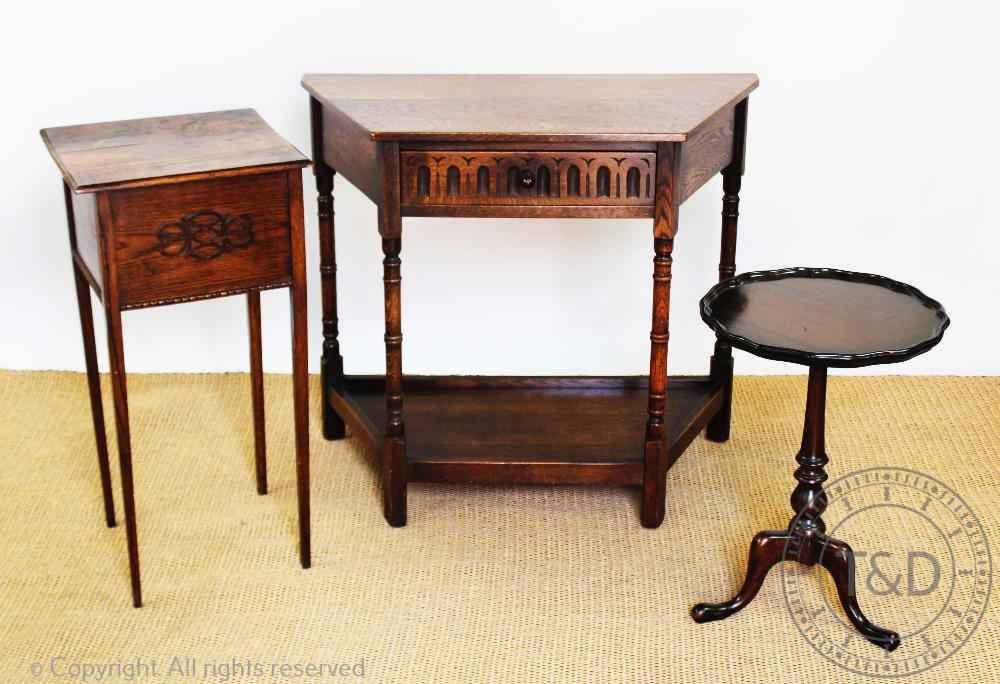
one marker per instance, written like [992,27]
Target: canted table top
[167,149]
[823,316]
[529,108]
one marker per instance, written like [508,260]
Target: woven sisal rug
[485,584]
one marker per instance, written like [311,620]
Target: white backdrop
[872,146]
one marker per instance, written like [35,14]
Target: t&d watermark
[922,567]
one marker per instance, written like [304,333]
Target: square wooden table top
[141,152]
[529,108]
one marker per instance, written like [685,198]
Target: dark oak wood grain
[522,211]
[526,108]
[86,242]
[257,390]
[90,360]
[668,180]
[721,364]
[394,444]
[300,368]
[601,146]
[528,430]
[119,395]
[347,145]
[331,363]
[201,238]
[626,146]
[708,150]
[167,149]
[176,209]
[513,177]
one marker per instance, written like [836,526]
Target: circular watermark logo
[922,568]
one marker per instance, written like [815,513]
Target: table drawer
[525,178]
[200,239]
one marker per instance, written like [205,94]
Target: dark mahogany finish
[824,316]
[821,318]
[524,146]
[176,209]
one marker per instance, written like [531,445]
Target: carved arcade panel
[527,178]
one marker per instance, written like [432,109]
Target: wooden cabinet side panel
[88,243]
[707,151]
[350,151]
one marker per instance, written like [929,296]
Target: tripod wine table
[818,317]
[626,146]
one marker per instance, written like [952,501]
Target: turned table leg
[805,541]
[721,368]
[655,463]
[331,363]
[394,446]
[394,440]
[654,476]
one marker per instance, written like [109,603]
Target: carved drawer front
[527,178]
[199,239]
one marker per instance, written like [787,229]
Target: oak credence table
[627,146]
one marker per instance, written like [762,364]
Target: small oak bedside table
[177,209]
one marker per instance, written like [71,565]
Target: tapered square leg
[94,387]
[300,371]
[300,382]
[257,390]
[90,359]
[119,393]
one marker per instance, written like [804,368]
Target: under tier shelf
[540,430]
